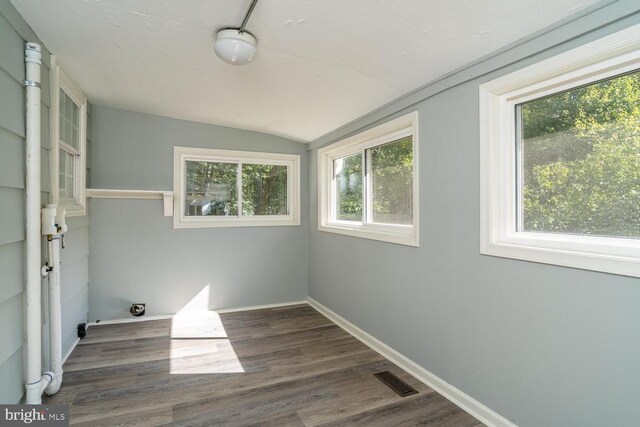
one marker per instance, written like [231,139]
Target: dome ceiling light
[235,45]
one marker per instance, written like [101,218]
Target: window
[68,141]
[560,159]
[369,184]
[221,188]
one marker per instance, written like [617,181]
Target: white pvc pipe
[35,381]
[53,225]
[55,314]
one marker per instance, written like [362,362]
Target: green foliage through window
[212,189]
[391,184]
[264,189]
[581,160]
[349,175]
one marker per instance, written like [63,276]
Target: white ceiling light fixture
[235,45]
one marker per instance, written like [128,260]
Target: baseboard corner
[68,353]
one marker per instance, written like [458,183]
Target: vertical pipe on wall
[35,382]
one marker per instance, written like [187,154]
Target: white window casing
[184,154]
[610,56]
[404,234]
[60,79]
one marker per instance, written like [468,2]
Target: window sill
[74,210]
[205,222]
[383,234]
[602,254]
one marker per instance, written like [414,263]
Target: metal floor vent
[396,384]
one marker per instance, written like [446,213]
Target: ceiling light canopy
[237,46]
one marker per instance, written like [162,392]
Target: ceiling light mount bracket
[247,16]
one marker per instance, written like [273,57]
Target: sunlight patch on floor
[199,341]
[203,356]
[197,324]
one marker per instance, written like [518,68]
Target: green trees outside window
[581,160]
[392,182]
[349,177]
[212,189]
[389,195]
[264,189]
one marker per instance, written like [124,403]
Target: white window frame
[183,154]
[607,57]
[61,79]
[393,130]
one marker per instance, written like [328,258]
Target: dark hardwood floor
[281,366]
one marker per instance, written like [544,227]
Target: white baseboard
[260,307]
[130,320]
[455,395]
[170,316]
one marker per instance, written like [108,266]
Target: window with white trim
[68,122]
[368,183]
[560,159]
[223,188]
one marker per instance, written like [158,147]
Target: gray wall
[137,256]
[14,31]
[541,345]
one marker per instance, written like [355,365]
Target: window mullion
[239,188]
[76,176]
[519,184]
[334,190]
[366,188]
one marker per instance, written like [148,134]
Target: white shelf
[165,196]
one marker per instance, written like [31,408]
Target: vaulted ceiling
[321,64]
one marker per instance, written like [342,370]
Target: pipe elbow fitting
[54,385]
[45,380]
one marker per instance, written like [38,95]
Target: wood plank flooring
[287,366]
